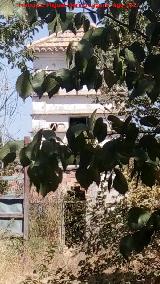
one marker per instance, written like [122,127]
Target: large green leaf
[76,138]
[155,5]
[67,23]
[141,87]
[150,121]
[30,151]
[118,66]
[117,124]
[86,24]
[92,120]
[150,145]
[133,13]
[138,217]
[9,158]
[130,58]
[154,220]
[138,51]
[100,130]
[148,174]
[86,177]
[24,86]
[51,85]
[120,183]
[135,242]
[100,37]
[78,20]
[66,79]
[109,77]
[47,14]
[152,64]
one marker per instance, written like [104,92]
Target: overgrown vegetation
[132,41]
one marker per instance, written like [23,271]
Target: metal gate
[14,207]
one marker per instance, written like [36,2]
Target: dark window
[77,120]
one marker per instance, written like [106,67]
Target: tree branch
[120,23]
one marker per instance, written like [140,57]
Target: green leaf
[100,37]
[155,5]
[155,38]
[98,81]
[148,174]
[131,79]
[78,20]
[86,24]
[66,79]
[117,124]
[30,152]
[49,134]
[130,58]
[140,155]
[9,158]
[109,78]
[114,35]
[69,54]
[51,85]
[89,76]
[114,10]
[150,121]
[142,87]
[48,14]
[67,23]
[100,130]
[135,242]
[92,120]
[36,81]
[120,183]
[100,13]
[25,161]
[83,54]
[76,138]
[24,86]
[154,220]
[118,66]
[150,15]
[152,64]
[10,147]
[110,182]
[138,217]
[86,177]
[86,156]
[150,145]
[133,19]
[138,51]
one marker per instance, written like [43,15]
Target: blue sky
[20,123]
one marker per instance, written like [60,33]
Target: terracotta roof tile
[57,42]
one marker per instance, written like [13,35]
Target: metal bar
[11,178]
[11,197]
[11,215]
[26,195]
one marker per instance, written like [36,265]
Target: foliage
[97,260]
[133,38]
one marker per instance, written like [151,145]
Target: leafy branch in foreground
[135,62]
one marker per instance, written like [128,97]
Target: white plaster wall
[49,61]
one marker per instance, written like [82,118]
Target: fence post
[26,196]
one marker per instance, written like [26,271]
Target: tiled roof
[56,42]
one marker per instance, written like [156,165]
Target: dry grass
[39,260]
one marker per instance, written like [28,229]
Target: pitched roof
[56,42]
